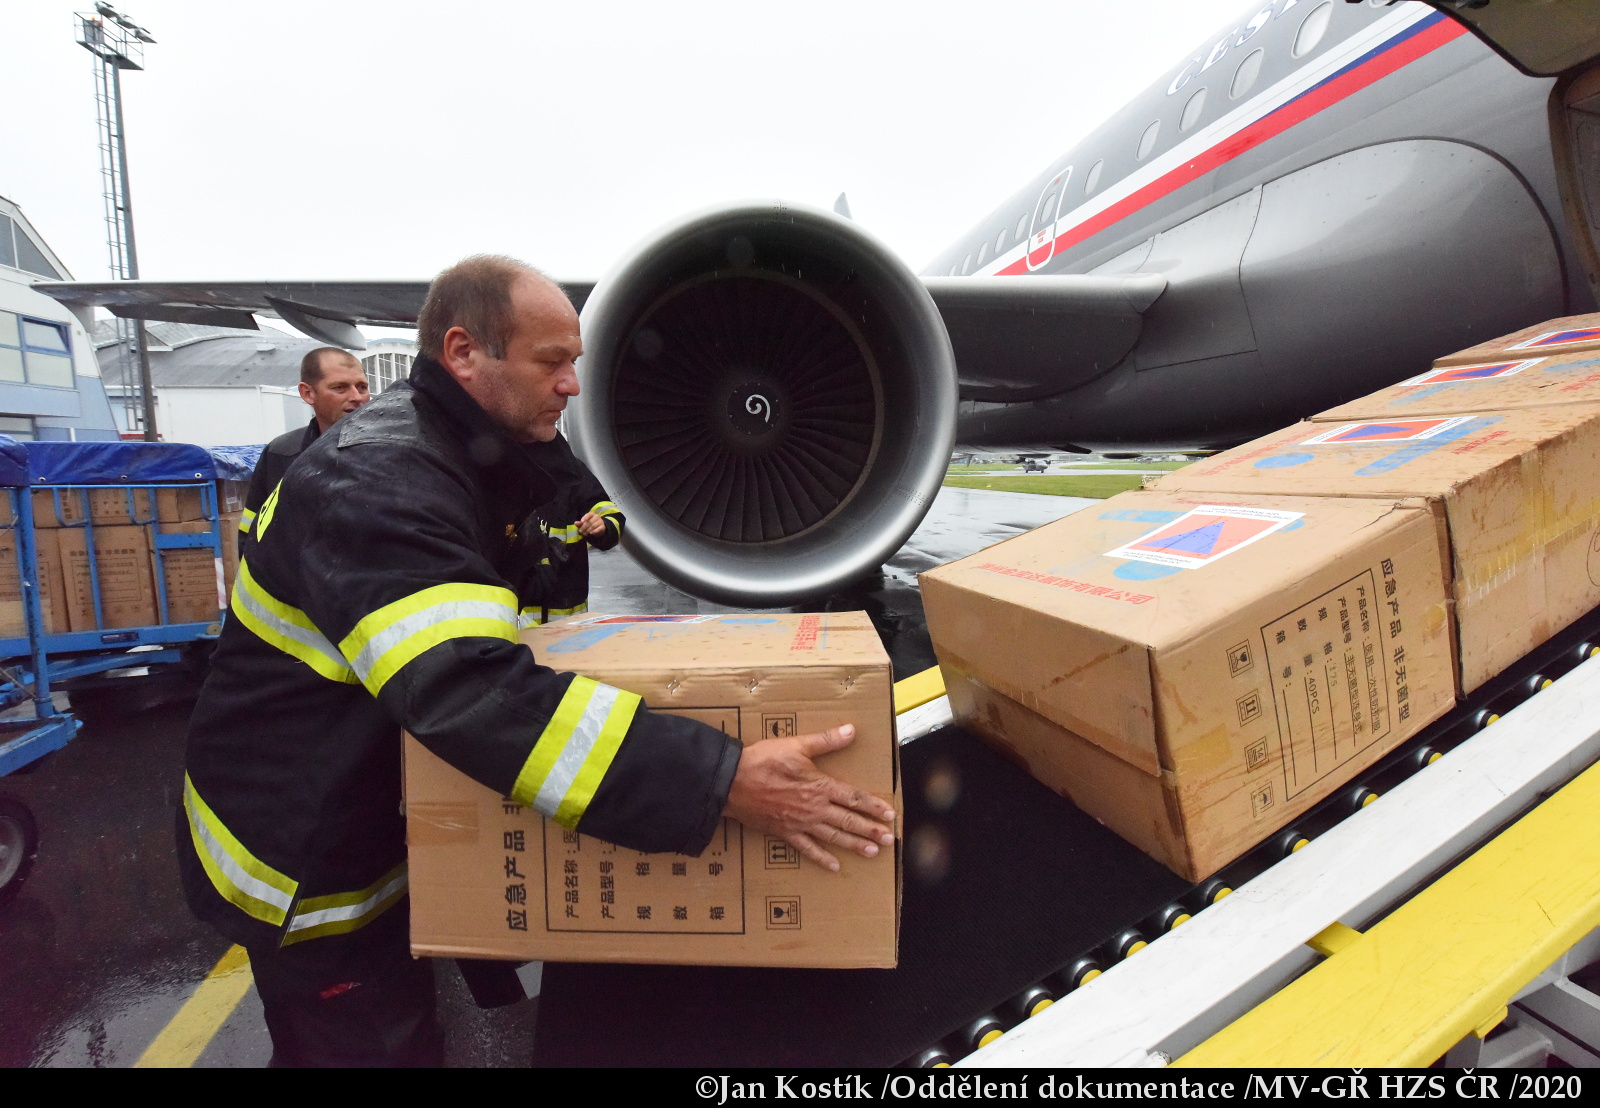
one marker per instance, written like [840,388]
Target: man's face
[527,390]
[342,389]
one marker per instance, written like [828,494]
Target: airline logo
[1387,430]
[1485,372]
[1573,337]
[1199,537]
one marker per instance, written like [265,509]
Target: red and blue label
[1201,536]
[1458,374]
[1574,336]
[1383,430]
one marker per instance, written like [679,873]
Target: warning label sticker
[1571,337]
[1457,373]
[607,620]
[1384,430]
[1201,536]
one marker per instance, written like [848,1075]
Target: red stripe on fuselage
[1253,135]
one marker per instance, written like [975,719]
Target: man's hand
[591,525]
[780,790]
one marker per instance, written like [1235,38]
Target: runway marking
[187,1034]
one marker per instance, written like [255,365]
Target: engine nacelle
[770,397]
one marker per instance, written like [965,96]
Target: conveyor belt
[1034,894]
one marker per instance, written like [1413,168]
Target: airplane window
[983,254]
[1312,28]
[1092,182]
[1245,76]
[1022,226]
[1000,242]
[1147,141]
[1192,110]
[966,266]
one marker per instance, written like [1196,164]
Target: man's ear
[306,392]
[455,353]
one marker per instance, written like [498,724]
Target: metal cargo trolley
[114,560]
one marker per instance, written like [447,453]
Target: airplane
[1324,197]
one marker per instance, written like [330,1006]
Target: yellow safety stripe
[573,754]
[241,878]
[317,916]
[533,617]
[264,517]
[287,628]
[568,535]
[388,638]
[606,508]
[1444,964]
[246,518]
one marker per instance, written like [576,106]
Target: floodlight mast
[117,43]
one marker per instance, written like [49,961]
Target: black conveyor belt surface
[1031,883]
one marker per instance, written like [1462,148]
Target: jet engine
[769,394]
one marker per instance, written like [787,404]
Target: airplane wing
[325,310]
[1007,332]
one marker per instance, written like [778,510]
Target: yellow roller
[918,689]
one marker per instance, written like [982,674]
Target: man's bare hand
[780,790]
[591,524]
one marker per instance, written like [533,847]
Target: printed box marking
[1204,534]
[1384,430]
[1485,372]
[1571,337]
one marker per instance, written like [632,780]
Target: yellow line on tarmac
[187,1034]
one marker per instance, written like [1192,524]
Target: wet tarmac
[98,953]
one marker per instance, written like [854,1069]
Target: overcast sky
[330,139]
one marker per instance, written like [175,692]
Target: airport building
[50,386]
[223,386]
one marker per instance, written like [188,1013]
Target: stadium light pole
[117,43]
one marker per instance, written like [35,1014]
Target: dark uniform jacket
[578,491]
[380,589]
[272,465]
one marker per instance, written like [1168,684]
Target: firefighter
[380,589]
[580,515]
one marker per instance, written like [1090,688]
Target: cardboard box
[44,509]
[230,495]
[111,506]
[230,552]
[1196,671]
[749,899]
[1555,336]
[1521,489]
[179,504]
[13,622]
[194,577]
[1482,386]
[122,562]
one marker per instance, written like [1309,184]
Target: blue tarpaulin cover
[121,463]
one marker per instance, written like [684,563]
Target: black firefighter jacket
[578,491]
[380,589]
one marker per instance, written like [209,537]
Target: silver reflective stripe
[402,629]
[576,750]
[305,636]
[303,920]
[224,861]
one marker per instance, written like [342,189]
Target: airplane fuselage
[1336,195]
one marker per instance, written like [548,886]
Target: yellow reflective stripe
[287,628]
[573,754]
[246,518]
[384,641]
[533,617]
[566,534]
[241,878]
[264,517]
[605,508]
[317,916]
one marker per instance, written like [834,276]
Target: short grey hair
[475,295]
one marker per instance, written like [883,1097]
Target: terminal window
[19,251]
[34,352]
[384,370]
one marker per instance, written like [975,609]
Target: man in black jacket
[334,384]
[380,589]
[579,516]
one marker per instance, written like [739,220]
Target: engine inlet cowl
[769,394]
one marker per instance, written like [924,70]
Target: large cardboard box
[194,577]
[180,504]
[122,563]
[1195,671]
[44,509]
[1521,489]
[111,506]
[13,623]
[491,879]
[1554,336]
[1513,382]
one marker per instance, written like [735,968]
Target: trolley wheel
[19,845]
